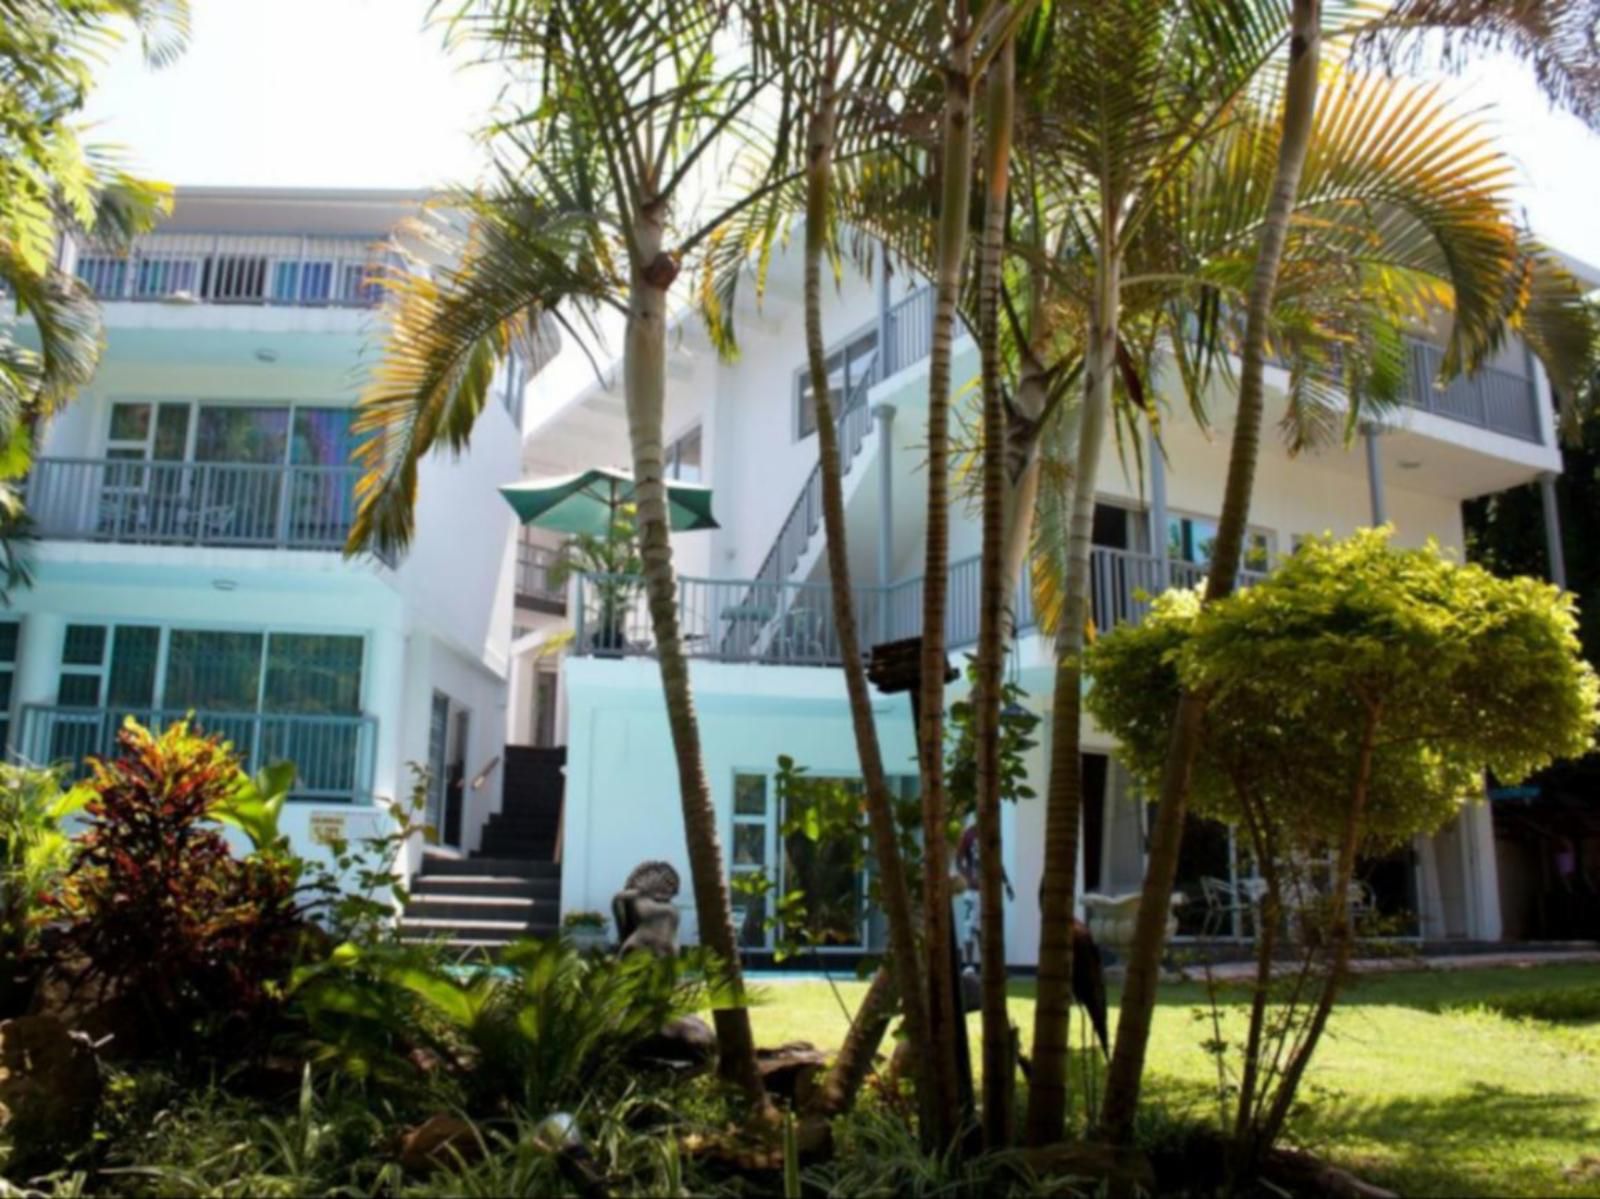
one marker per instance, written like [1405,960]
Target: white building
[756,609]
[192,505]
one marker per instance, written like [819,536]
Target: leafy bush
[34,854]
[543,1028]
[156,907]
[1555,1005]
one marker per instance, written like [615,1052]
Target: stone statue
[647,919]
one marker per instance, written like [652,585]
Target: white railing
[228,268]
[192,503]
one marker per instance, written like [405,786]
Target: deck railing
[792,624]
[334,755]
[535,564]
[228,268]
[1498,400]
[271,506]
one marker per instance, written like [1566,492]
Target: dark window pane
[749,844]
[133,666]
[242,434]
[79,691]
[220,671]
[8,641]
[6,677]
[130,422]
[310,673]
[322,437]
[85,645]
[750,794]
[172,433]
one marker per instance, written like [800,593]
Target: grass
[1483,1082]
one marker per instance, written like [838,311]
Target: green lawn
[1419,1086]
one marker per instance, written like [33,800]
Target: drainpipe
[885,416]
[1380,510]
[886,364]
[1552,529]
[1158,512]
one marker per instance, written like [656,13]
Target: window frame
[841,352]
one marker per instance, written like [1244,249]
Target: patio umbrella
[588,502]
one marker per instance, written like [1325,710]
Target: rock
[790,1071]
[971,991]
[440,1140]
[685,1044]
[1122,1171]
[95,1007]
[49,1089]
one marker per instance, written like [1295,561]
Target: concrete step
[467,932]
[512,845]
[512,886]
[481,864]
[511,909]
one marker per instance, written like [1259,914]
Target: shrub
[158,911]
[1555,1005]
[34,854]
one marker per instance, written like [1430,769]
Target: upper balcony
[536,590]
[792,624]
[284,270]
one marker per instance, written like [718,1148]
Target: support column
[1552,529]
[885,417]
[1380,510]
[1158,511]
[886,364]
[37,680]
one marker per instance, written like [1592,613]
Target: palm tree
[630,100]
[1560,41]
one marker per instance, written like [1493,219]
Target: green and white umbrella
[588,503]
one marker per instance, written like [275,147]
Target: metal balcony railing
[227,268]
[1498,400]
[137,501]
[792,624]
[334,755]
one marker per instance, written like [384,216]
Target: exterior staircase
[510,889]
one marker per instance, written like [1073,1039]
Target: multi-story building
[191,509]
[756,609]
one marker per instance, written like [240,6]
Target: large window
[8,670]
[847,367]
[1190,538]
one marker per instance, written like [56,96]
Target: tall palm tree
[1562,44]
[630,102]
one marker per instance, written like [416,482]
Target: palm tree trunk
[999,1068]
[644,372]
[1144,957]
[850,1069]
[894,885]
[955,203]
[1047,1093]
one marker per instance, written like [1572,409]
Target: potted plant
[612,571]
[586,930]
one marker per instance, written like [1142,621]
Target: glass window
[135,650]
[79,691]
[207,669]
[130,422]
[85,645]
[238,433]
[750,794]
[749,844]
[683,457]
[8,667]
[312,673]
[322,437]
[104,275]
[157,277]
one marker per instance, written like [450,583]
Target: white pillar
[385,689]
[1158,510]
[1483,881]
[37,678]
[1380,511]
[885,415]
[1552,529]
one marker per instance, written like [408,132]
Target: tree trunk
[1047,1095]
[1343,938]
[894,886]
[1268,916]
[954,206]
[1144,957]
[644,371]
[999,1069]
[850,1069]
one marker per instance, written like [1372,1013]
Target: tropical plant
[1352,700]
[613,567]
[35,854]
[157,911]
[632,105]
[541,1029]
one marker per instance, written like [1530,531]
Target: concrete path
[1511,957]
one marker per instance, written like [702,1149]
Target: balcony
[334,755]
[226,268]
[227,504]
[791,624]
[1498,400]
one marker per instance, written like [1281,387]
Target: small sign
[327,828]
[1514,793]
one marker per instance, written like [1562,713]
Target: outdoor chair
[1224,900]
